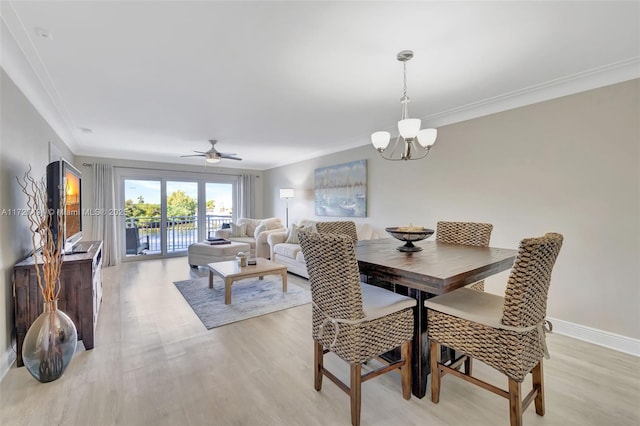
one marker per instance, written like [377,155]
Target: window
[164,215]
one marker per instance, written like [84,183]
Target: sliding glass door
[142,207]
[218,206]
[182,215]
[164,215]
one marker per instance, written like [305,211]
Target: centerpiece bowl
[409,235]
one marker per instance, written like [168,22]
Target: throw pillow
[259,229]
[238,230]
[293,234]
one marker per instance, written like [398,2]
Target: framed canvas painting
[341,190]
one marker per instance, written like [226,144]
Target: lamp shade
[213,160]
[286,192]
[409,127]
[380,140]
[427,137]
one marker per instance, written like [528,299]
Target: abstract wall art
[341,190]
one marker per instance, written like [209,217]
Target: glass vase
[49,344]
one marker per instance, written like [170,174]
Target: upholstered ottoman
[201,254]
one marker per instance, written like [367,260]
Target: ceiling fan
[213,155]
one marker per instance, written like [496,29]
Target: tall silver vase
[49,344]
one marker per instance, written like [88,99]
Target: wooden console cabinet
[80,296]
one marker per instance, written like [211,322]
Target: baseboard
[614,341]
[7,361]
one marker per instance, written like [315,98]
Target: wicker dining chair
[356,321]
[467,233]
[345,227]
[506,333]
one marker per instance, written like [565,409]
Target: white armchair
[255,234]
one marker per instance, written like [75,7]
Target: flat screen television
[64,180]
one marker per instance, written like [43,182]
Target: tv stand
[81,247]
[80,294]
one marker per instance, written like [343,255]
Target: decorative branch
[42,239]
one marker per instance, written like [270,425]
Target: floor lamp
[286,193]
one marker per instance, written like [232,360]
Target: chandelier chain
[404,63]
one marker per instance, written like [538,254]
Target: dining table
[437,269]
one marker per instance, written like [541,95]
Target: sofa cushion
[259,229]
[238,230]
[249,240]
[250,225]
[307,222]
[272,223]
[287,250]
[293,233]
[300,257]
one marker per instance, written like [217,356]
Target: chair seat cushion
[378,302]
[472,305]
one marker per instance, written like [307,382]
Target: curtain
[104,224]
[247,195]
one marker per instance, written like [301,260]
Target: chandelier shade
[409,127]
[412,142]
[380,140]
[426,137]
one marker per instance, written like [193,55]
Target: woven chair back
[346,227]
[333,274]
[468,233]
[525,300]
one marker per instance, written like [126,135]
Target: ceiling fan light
[212,158]
[426,137]
[409,127]
[380,140]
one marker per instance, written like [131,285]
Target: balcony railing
[181,230]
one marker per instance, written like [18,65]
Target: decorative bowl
[409,235]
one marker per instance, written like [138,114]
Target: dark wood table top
[437,269]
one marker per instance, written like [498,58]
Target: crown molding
[21,62]
[569,85]
[606,75]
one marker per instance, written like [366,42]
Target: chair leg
[515,403]
[468,365]
[435,371]
[356,385]
[405,370]
[538,383]
[317,364]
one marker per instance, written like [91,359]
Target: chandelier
[412,143]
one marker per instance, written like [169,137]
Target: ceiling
[278,82]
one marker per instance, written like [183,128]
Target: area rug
[249,298]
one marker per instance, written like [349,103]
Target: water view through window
[185,220]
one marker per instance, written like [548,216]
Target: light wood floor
[154,363]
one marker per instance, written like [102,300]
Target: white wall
[569,165]
[25,139]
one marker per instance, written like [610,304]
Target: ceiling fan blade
[213,153]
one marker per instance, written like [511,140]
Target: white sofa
[291,255]
[257,241]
